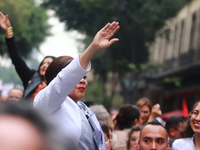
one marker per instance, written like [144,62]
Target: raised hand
[4,21]
[102,39]
[155,112]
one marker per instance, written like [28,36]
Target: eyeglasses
[134,139]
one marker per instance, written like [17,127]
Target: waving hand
[4,21]
[102,38]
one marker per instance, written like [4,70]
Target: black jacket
[30,78]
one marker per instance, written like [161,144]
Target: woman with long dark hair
[33,80]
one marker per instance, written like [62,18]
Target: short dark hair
[56,66]
[156,123]
[173,122]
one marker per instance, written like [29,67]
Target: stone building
[176,54]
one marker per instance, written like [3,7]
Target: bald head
[15,94]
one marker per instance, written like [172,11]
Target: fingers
[105,28]
[156,106]
[160,112]
[113,41]
[2,15]
[113,28]
[110,26]
[110,29]
[114,25]
[7,21]
[156,109]
[102,39]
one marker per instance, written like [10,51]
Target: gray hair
[101,113]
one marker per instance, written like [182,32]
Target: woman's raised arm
[101,41]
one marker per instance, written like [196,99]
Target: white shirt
[183,144]
[60,107]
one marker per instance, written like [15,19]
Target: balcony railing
[184,61]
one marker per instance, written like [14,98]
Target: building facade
[176,55]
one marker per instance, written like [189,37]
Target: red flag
[185,108]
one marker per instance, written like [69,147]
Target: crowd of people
[48,115]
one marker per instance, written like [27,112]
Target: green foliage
[29,24]
[9,75]
[147,66]
[99,93]
[175,80]
[139,21]
[96,88]
[133,67]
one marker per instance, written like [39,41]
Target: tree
[8,73]
[139,21]
[29,23]
[101,93]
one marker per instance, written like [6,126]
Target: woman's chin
[42,74]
